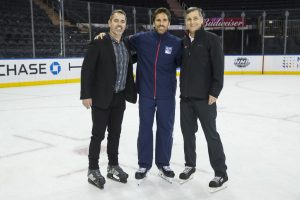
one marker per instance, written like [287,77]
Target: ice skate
[95,178]
[186,175]
[141,175]
[116,173]
[167,174]
[218,183]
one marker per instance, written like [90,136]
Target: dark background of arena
[50,28]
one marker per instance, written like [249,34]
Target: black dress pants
[110,119]
[190,111]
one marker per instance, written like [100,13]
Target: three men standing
[107,80]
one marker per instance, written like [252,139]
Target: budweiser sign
[228,22]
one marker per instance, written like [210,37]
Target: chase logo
[55,68]
[241,62]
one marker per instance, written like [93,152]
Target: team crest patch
[168,50]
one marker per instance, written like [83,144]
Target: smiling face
[193,21]
[161,23]
[117,24]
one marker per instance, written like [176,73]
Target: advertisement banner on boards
[33,70]
[288,64]
[243,64]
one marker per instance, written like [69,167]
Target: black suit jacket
[202,70]
[98,74]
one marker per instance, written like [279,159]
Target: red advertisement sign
[228,22]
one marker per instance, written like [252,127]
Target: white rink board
[240,63]
[30,70]
[288,63]
[21,72]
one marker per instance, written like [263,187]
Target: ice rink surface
[45,132]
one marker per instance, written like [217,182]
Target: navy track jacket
[158,56]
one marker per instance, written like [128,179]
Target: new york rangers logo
[168,50]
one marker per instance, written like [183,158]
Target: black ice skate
[218,183]
[116,173]
[166,173]
[95,178]
[141,175]
[187,174]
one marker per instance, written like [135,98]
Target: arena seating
[16,34]
[16,28]
[243,5]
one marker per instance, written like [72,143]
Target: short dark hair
[192,9]
[117,11]
[161,10]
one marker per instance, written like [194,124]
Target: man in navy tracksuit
[158,55]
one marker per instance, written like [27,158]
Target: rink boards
[25,72]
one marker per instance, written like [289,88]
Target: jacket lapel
[110,48]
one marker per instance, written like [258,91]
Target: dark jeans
[110,118]
[190,111]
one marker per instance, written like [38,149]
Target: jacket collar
[162,36]
[199,34]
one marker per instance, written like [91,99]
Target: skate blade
[182,181]
[94,184]
[168,179]
[213,190]
[116,178]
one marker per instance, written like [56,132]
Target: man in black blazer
[106,82]
[201,81]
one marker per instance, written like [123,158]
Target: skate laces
[141,170]
[96,173]
[116,170]
[187,170]
[167,168]
[217,179]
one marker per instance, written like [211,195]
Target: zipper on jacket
[155,64]
[187,69]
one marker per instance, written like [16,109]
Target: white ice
[45,132]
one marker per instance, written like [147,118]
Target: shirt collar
[114,40]
[191,38]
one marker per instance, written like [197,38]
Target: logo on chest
[168,50]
